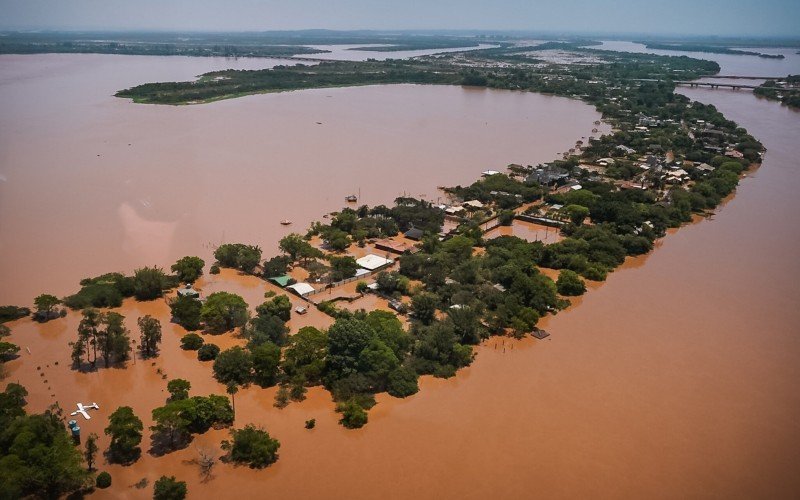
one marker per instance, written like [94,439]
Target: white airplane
[82,410]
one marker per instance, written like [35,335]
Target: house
[548,175]
[704,167]
[472,204]
[301,289]
[414,234]
[626,149]
[373,262]
[487,173]
[300,310]
[454,210]
[398,247]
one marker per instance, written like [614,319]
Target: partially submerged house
[373,262]
[414,234]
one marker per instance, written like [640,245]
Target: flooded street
[674,379]
[90,183]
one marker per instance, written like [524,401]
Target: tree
[46,307]
[12,403]
[402,383]
[424,306]
[276,266]
[90,450]
[150,337]
[149,283]
[279,306]
[353,415]
[377,360]
[305,355]
[265,329]
[232,389]
[186,312]
[266,359]
[346,339]
[234,365]
[171,424]
[191,342]
[103,480]
[293,245]
[577,213]
[252,445]
[86,344]
[178,389]
[342,267]
[224,311]
[38,458]
[114,340]
[168,488]
[238,256]
[569,283]
[188,269]
[207,352]
[125,429]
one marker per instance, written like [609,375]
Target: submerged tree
[188,269]
[125,429]
[150,329]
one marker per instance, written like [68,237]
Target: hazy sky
[713,17]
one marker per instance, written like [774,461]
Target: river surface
[351,52]
[90,183]
[677,378]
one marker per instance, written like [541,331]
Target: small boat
[286,222]
[351,198]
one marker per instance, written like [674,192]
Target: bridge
[715,85]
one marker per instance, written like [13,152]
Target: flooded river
[674,379]
[91,183]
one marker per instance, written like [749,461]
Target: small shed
[281,281]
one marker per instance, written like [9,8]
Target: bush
[570,284]
[186,312]
[168,488]
[103,480]
[353,415]
[207,352]
[310,424]
[402,383]
[191,342]
[214,269]
[252,446]
[361,287]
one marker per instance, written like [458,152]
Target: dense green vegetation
[786,91]
[234,83]
[252,446]
[37,456]
[176,421]
[169,488]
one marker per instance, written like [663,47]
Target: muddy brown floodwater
[90,183]
[677,378]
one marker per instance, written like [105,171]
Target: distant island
[711,49]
